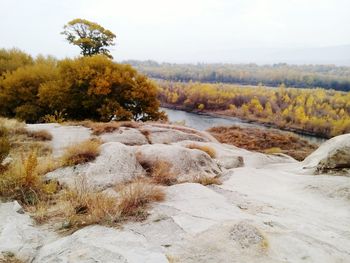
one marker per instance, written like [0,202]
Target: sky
[180,30]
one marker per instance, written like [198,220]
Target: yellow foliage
[301,109]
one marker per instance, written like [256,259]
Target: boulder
[186,164]
[115,164]
[332,157]
[125,135]
[226,157]
[100,244]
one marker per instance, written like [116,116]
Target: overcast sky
[178,30]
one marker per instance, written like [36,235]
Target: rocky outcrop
[272,209]
[100,244]
[186,164]
[166,135]
[125,135]
[226,157]
[62,135]
[117,163]
[331,157]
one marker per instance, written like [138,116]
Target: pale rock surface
[270,210]
[62,135]
[101,244]
[18,233]
[227,242]
[115,164]
[167,135]
[227,158]
[186,164]
[125,135]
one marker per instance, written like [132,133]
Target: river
[203,122]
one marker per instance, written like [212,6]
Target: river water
[203,122]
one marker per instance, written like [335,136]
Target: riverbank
[226,115]
[264,141]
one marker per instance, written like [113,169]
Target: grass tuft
[41,135]
[23,182]
[80,153]
[99,128]
[133,197]
[159,171]
[4,144]
[81,207]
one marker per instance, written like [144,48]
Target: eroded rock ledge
[268,208]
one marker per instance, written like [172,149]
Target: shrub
[86,90]
[56,117]
[80,153]
[95,87]
[205,148]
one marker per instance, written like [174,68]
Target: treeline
[93,87]
[304,76]
[321,112]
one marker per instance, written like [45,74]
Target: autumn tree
[19,89]
[99,89]
[90,37]
[12,59]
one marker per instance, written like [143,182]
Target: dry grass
[147,135]
[4,145]
[134,196]
[261,140]
[205,148]
[273,150]
[159,171]
[81,207]
[206,180]
[22,181]
[99,128]
[9,257]
[47,202]
[41,135]
[80,153]
[21,143]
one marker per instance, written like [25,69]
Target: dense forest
[316,111]
[303,76]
